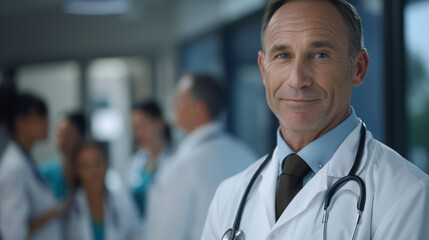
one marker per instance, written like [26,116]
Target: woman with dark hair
[153,138]
[96,213]
[71,129]
[28,210]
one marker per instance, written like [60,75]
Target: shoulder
[228,196]
[238,182]
[13,162]
[225,145]
[390,164]
[391,177]
[13,172]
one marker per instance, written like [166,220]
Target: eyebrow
[321,44]
[279,48]
[317,44]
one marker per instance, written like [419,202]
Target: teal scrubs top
[53,172]
[97,230]
[139,192]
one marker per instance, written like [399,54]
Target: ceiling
[39,30]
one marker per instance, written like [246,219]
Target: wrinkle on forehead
[319,18]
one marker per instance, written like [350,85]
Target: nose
[300,74]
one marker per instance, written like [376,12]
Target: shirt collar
[317,153]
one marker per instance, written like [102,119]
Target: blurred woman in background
[28,210]
[153,138]
[57,171]
[96,213]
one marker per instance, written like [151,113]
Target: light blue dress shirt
[320,151]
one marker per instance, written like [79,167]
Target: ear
[261,56]
[20,122]
[360,67]
[201,106]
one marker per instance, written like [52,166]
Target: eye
[282,56]
[320,55]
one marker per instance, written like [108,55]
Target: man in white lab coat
[28,210]
[312,56]
[180,197]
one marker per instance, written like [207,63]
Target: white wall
[59,85]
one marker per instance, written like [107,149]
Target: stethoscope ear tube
[237,220]
[339,184]
[235,233]
[359,152]
[351,176]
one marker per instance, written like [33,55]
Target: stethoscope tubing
[246,193]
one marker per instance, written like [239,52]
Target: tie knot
[294,165]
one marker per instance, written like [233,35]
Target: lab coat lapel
[82,216]
[267,190]
[111,220]
[343,159]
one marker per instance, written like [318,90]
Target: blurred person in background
[153,138]
[6,97]
[57,171]
[96,213]
[28,209]
[182,192]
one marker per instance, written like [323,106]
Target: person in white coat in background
[153,138]
[312,56]
[95,213]
[182,191]
[28,209]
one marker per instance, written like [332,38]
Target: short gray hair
[206,88]
[347,10]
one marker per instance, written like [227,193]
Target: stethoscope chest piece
[233,235]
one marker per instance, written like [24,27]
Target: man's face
[306,66]
[36,125]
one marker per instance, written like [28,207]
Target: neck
[156,147]
[155,150]
[93,191]
[199,123]
[68,169]
[95,198]
[24,141]
[298,139]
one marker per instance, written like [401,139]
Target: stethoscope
[235,233]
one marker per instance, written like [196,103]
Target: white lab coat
[139,161]
[120,218]
[397,200]
[23,197]
[181,195]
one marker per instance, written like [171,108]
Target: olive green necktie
[293,171]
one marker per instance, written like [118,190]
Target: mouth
[300,102]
